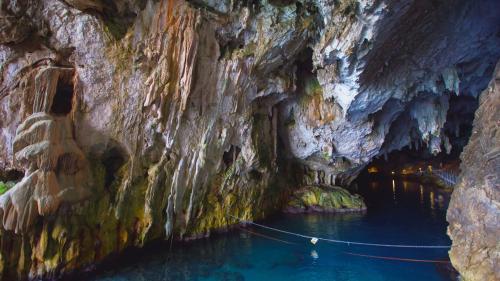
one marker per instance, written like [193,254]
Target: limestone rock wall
[383,75]
[55,167]
[177,121]
[474,211]
[181,112]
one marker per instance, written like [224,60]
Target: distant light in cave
[373,170]
[431,195]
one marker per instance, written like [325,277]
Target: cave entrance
[62,102]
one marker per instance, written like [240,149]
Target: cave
[416,165]
[13,175]
[408,165]
[231,155]
[9,178]
[456,131]
[112,160]
[459,119]
[62,102]
[294,140]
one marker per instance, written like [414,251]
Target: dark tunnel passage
[63,99]
[113,160]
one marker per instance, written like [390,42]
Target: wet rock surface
[184,111]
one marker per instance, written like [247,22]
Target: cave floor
[399,212]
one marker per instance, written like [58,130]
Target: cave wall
[177,125]
[186,111]
[474,211]
[383,75]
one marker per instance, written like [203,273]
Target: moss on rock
[5,186]
[324,199]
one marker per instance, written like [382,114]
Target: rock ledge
[330,199]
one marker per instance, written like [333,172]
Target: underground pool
[399,212]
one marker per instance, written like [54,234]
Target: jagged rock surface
[55,166]
[384,74]
[185,111]
[474,211]
[324,199]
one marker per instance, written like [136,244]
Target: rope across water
[342,241]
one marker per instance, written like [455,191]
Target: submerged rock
[324,199]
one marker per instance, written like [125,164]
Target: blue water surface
[399,212]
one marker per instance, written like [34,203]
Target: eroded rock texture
[324,199]
[474,212]
[44,145]
[384,74]
[181,112]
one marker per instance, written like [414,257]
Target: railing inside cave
[449,177]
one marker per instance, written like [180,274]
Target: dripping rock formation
[136,120]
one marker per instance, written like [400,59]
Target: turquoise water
[399,212]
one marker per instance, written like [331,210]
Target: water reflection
[431,198]
[441,201]
[394,190]
[421,194]
[314,254]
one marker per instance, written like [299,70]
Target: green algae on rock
[4,186]
[324,199]
[185,111]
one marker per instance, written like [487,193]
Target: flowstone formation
[44,146]
[140,120]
